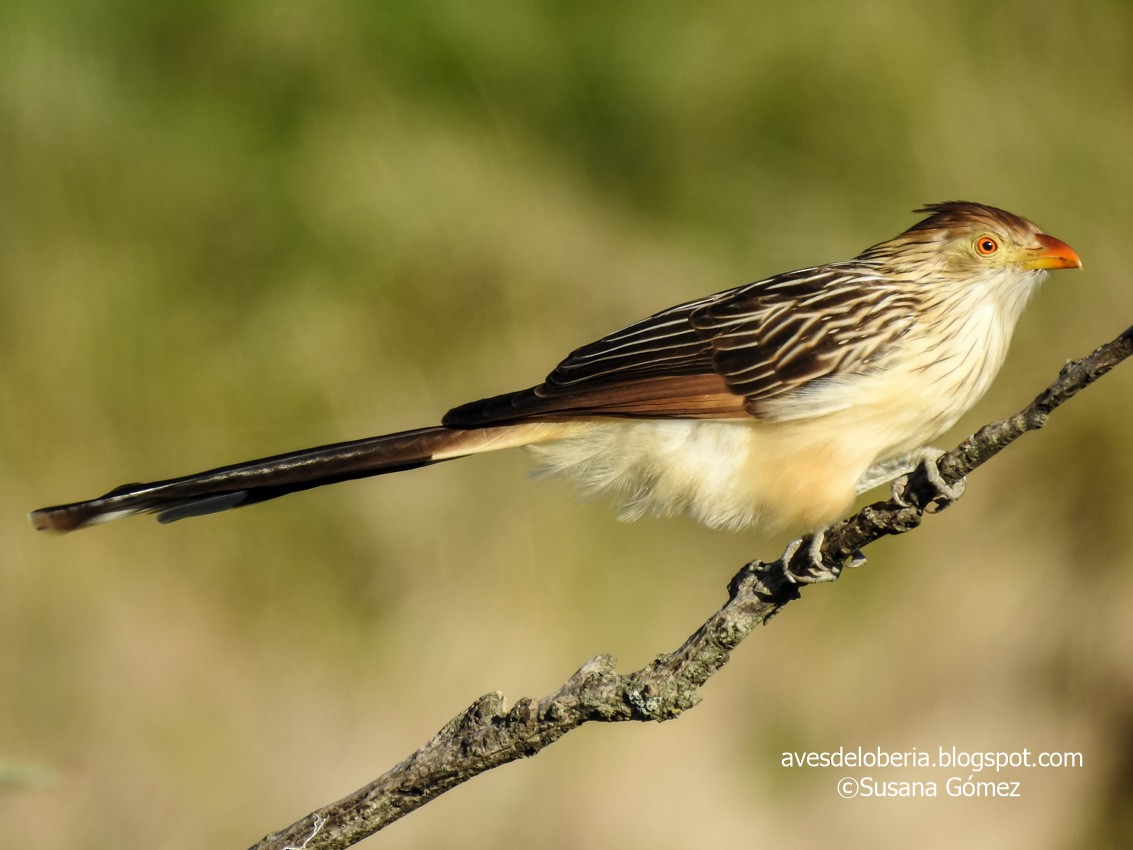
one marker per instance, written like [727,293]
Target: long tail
[268,478]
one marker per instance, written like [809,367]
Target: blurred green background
[233,229]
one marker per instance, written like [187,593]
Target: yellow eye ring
[986,246]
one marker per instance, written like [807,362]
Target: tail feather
[268,478]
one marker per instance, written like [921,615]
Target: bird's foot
[815,570]
[944,493]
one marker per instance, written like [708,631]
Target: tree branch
[488,734]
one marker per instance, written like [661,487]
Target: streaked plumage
[769,403]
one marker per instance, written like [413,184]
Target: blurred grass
[228,230]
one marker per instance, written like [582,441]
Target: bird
[772,404]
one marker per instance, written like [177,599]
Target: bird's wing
[727,355]
[784,339]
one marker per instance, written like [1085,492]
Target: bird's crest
[951,214]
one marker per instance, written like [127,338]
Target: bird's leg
[904,466]
[887,470]
[945,494]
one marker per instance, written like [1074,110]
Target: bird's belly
[726,474]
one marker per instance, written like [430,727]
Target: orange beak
[1051,253]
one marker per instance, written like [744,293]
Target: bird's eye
[986,246]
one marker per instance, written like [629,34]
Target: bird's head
[961,240]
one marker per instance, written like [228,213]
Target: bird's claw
[816,569]
[945,493]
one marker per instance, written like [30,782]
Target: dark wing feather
[666,343]
[657,396]
[773,338]
[721,356]
[660,366]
